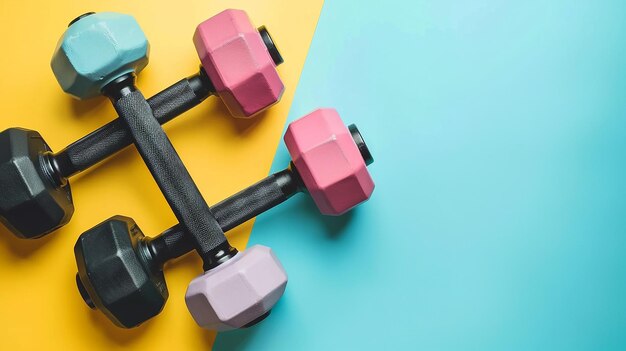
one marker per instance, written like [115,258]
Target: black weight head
[31,205]
[114,273]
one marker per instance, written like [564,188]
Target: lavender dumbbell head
[238,292]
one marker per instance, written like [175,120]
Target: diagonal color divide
[41,307]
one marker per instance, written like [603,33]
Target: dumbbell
[238,65]
[120,271]
[121,37]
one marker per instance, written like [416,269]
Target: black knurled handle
[113,137]
[169,172]
[231,212]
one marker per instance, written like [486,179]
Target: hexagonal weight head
[113,271]
[96,50]
[329,162]
[238,63]
[30,204]
[238,291]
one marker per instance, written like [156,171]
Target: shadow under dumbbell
[244,125]
[120,336]
[303,206]
[212,113]
[239,340]
[22,248]
[86,108]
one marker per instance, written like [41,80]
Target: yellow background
[40,307]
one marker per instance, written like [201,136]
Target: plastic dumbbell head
[330,161]
[114,274]
[238,292]
[95,50]
[237,60]
[31,205]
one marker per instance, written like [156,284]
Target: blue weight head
[95,50]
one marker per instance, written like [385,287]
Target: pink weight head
[325,153]
[239,292]
[238,63]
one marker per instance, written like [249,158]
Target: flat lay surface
[497,219]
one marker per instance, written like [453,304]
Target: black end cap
[84,294]
[256,321]
[80,17]
[360,143]
[271,46]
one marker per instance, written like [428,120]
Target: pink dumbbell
[234,57]
[329,161]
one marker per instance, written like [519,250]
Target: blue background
[498,221]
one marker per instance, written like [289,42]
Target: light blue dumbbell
[91,53]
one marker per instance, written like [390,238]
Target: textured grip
[231,212]
[113,137]
[174,101]
[168,170]
[255,200]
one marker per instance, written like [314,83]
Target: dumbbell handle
[241,207]
[231,212]
[113,137]
[169,172]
